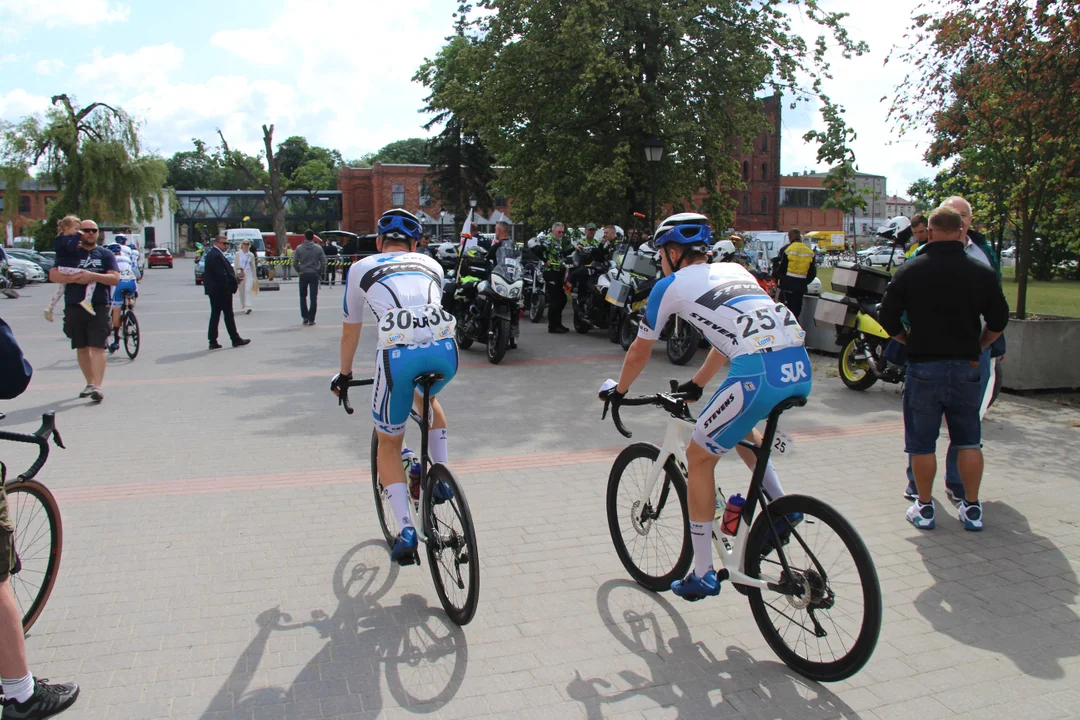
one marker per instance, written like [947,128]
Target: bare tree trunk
[1027,233]
[275,193]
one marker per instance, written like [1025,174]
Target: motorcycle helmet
[724,251]
[447,251]
[399,224]
[897,230]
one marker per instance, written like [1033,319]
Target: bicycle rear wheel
[451,546]
[827,625]
[130,331]
[387,521]
[651,535]
[39,541]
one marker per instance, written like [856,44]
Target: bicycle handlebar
[343,393]
[674,402]
[39,437]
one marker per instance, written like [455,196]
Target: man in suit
[219,284]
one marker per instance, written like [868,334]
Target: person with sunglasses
[764,343]
[415,335]
[89,331]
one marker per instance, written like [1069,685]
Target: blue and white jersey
[726,304]
[126,267]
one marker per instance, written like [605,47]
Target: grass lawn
[1056,297]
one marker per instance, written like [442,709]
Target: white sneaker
[970,515]
[88,307]
[921,516]
[49,313]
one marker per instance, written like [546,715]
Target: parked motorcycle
[487,303]
[591,309]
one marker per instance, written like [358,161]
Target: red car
[159,257]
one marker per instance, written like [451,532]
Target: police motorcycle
[487,299]
[533,299]
[590,307]
[854,312]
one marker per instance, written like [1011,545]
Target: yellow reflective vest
[799,259]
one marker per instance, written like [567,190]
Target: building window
[745,170]
[764,204]
[425,195]
[764,171]
[765,143]
[397,198]
[803,197]
[746,204]
[500,201]
[24,204]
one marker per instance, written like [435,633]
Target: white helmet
[724,251]
[898,230]
[447,251]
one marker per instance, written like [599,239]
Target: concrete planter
[1042,354]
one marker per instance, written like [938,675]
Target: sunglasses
[90,231]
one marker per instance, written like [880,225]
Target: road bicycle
[129,326]
[39,536]
[819,608]
[447,529]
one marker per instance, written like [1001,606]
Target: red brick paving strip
[343,476]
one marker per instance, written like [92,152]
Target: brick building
[801,198]
[366,193]
[34,200]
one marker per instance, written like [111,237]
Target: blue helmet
[115,247]
[122,239]
[689,229]
[400,225]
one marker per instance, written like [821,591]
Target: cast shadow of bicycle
[423,654]
[1024,615]
[686,675]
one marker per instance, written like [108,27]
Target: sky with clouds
[339,71]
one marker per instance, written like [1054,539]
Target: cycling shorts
[756,383]
[396,368]
[124,286]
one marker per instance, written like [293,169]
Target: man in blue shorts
[769,364]
[403,288]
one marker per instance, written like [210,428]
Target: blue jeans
[952,472]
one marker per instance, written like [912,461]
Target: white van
[763,247]
[236,235]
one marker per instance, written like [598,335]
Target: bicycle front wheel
[451,545]
[826,621]
[39,540]
[651,534]
[387,521]
[130,331]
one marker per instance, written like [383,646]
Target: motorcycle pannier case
[835,309]
[618,293]
[860,281]
[641,263]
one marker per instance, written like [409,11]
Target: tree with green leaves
[995,82]
[313,176]
[834,150]
[566,94]
[93,155]
[197,169]
[295,152]
[268,179]
[411,151]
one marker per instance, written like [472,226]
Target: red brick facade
[807,218]
[33,205]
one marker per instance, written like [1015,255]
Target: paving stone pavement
[222,556]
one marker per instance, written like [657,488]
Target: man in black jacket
[219,284]
[947,295]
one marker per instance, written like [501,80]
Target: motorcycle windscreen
[508,262]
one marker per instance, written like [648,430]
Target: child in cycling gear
[415,336]
[762,340]
[66,247]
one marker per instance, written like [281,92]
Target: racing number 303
[406,319]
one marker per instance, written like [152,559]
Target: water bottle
[732,513]
[412,470]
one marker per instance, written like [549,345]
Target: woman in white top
[244,263]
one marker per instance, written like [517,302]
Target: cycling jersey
[128,280]
[763,339]
[727,305]
[415,334]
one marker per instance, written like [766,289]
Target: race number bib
[415,326]
[769,327]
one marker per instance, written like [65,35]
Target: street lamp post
[654,151]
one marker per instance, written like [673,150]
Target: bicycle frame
[732,552]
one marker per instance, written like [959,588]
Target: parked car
[31,270]
[200,266]
[159,257]
[33,256]
[1009,252]
[881,255]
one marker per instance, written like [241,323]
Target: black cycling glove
[340,382]
[691,390]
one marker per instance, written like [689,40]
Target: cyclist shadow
[425,656]
[33,414]
[1010,594]
[182,357]
[685,675]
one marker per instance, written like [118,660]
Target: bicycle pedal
[412,558]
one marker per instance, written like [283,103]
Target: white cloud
[21,15]
[146,67]
[49,66]
[18,104]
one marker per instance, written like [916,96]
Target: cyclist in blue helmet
[410,343]
[761,339]
[128,286]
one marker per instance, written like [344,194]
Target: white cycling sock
[20,690]
[701,536]
[399,501]
[771,482]
[437,450]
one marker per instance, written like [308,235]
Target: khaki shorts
[7,541]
